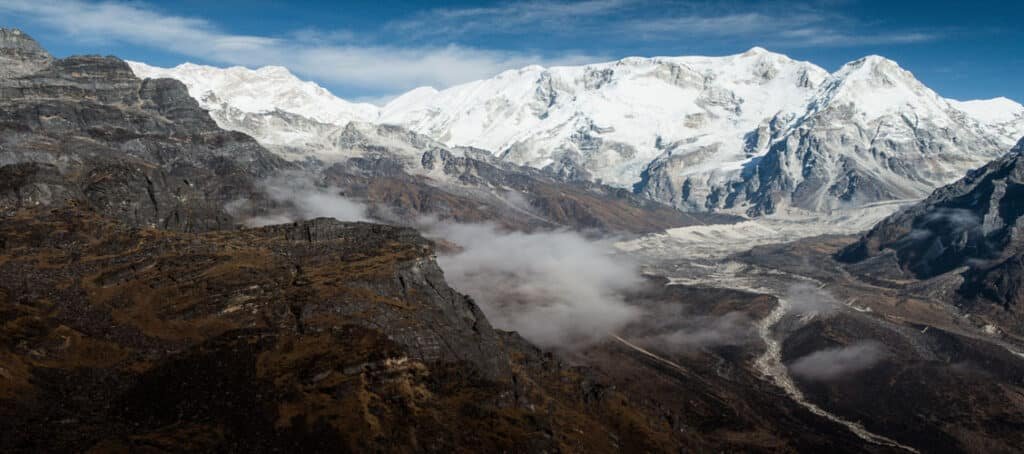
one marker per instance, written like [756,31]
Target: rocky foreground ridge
[319,335]
[136,315]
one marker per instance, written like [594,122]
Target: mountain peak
[764,54]
[1001,112]
[874,67]
[277,71]
[879,87]
[20,54]
[756,50]
[261,90]
[12,38]
[411,97]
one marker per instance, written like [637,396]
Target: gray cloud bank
[810,299]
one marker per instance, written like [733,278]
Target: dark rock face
[962,392]
[974,223]
[86,129]
[821,167]
[478,188]
[316,336]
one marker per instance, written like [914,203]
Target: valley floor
[769,295]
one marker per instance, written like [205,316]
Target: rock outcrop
[20,54]
[142,151]
[972,227]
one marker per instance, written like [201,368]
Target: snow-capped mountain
[749,132]
[262,90]
[607,121]
[1004,117]
[296,118]
[873,133]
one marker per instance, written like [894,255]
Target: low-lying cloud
[956,218]
[946,238]
[558,289]
[332,57]
[834,363]
[810,299]
[298,198]
[680,331]
[939,222]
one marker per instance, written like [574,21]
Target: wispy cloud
[780,24]
[835,363]
[791,28]
[558,289]
[510,18]
[320,55]
[442,47]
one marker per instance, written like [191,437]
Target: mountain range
[753,133]
[167,282]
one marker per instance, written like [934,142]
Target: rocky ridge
[318,335]
[86,129]
[971,228]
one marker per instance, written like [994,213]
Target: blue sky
[373,50]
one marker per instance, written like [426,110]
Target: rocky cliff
[972,227]
[143,151]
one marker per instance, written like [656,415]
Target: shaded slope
[85,128]
[971,227]
[316,336]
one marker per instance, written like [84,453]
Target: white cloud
[678,330]
[834,363]
[718,25]
[308,52]
[358,61]
[558,289]
[298,198]
[802,28]
[781,24]
[516,17]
